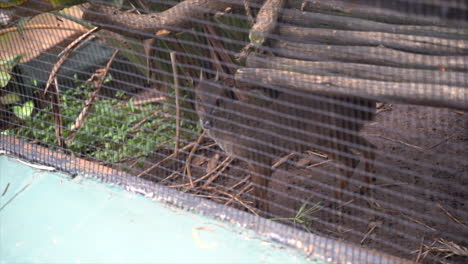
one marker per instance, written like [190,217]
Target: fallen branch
[204,176]
[100,76]
[266,21]
[55,101]
[417,44]
[177,103]
[176,18]
[404,92]
[165,159]
[313,19]
[362,71]
[369,55]
[64,54]
[387,15]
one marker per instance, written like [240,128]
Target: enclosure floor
[48,217]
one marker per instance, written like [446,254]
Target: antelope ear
[217,76]
[202,75]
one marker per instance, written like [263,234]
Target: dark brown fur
[258,131]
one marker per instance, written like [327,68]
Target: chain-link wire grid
[341,119]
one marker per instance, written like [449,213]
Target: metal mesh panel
[343,120]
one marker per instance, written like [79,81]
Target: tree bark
[417,44]
[401,92]
[386,15]
[362,71]
[369,55]
[143,26]
[266,21]
[312,19]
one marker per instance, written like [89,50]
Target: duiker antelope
[258,133]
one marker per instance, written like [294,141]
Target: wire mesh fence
[343,119]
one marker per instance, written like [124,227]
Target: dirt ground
[417,208]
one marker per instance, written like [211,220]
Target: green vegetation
[114,131]
[302,216]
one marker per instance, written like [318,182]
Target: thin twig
[137,126]
[65,54]
[239,183]
[452,216]
[189,158]
[379,207]
[176,88]
[373,227]
[163,160]
[282,160]
[397,141]
[239,193]
[78,40]
[236,199]
[248,12]
[209,146]
[442,141]
[318,163]
[418,258]
[386,185]
[418,222]
[321,155]
[226,162]
[343,205]
[55,100]
[203,177]
[170,176]
[100,77]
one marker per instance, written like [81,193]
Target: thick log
[400,92]
[266,21]
[312,19]
[362,71]
[143,26]
[386,15]
[417,44]
[369,55]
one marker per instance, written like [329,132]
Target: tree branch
[418,44]
[266,21]
[369,55]
[402,92]
[362,71]
[373,12]
[178,17]
[311,19]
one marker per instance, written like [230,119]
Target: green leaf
[9,98]
[7,64]
[24,111]
[108,78]
[4,78]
